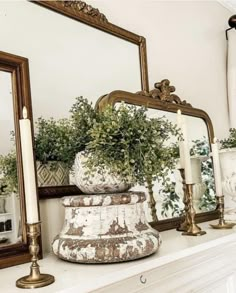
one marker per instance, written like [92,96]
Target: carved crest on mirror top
[163,91]
[79,8]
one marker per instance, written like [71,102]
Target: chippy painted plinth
[105,228]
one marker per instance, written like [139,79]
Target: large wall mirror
[73,51]
[14,94]
[164,206]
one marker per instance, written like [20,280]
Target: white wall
[185,43]
[67,59]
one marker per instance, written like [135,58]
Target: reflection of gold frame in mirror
[82,12]
[17,253]
[162,98]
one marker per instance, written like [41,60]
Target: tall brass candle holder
[222,224]
[185,224]
[35,279]
[193,228]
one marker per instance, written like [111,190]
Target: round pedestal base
[27,282]
[105,228]
[106,250]
[223,225]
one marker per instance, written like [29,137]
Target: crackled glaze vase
[105,228]
[101,181]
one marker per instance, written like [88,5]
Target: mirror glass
[169,197]
[67,58]
[10,228]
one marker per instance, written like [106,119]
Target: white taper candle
[28,170]
[187,160]
[180,142]
[216,165]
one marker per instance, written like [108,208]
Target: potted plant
[53,151]
[120,146]
[123,147]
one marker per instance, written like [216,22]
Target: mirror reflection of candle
[216,165]
[28,169]
[185,160]
[180,142]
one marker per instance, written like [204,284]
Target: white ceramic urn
[199,187]
[228,172]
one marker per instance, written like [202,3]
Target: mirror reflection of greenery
[208,200]
[8,173]
[230,141]
[171,201]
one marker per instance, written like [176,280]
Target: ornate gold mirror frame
[162,98]
[17,66]
[82,12]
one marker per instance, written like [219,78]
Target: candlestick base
[35,279]
[223,225]
[194,230]
[185,224]
[28,282]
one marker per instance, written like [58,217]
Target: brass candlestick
[35,279]
[193,228]
[222,224]
[185,224]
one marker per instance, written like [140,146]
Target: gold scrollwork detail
[82,7]
[163,91]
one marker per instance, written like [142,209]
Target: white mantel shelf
[78,278]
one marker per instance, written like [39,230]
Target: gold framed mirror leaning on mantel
[73,51]
[14,94]
[164,206]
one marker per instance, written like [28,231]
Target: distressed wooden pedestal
[105,228]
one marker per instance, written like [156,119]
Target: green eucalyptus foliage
[229,142]
[8,169]
[83,117]
[130,144]
[54,141]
